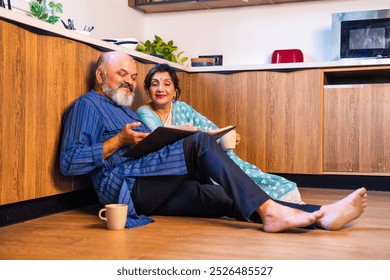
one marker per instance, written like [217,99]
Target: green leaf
[159,47]
[53,19]
[184,59]
[140,48]
[44,16]
[58,8]
[39,10]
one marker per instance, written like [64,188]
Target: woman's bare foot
[340,213]
[277,217]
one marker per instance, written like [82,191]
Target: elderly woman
[162,87]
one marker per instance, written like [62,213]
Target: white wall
[243,36]
[111,18]
[249,35]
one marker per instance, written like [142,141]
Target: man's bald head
[111,58]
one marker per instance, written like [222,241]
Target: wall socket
[218,58]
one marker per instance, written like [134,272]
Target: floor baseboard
[373,183]
[31,209]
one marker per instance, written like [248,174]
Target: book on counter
[162,136]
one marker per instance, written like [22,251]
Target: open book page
[163,136]
[185,127]
[221,131]
[211,132]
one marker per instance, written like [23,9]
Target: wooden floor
[81,235]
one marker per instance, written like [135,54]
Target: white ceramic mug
[115,216]
[228,141]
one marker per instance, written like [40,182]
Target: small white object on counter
[87,33]
[130,43]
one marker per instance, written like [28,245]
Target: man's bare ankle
[263,208]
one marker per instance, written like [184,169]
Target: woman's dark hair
[160,68]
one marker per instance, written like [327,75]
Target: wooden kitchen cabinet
[312,121]
[147,6]
[278,115]
[330,121]
[233,99]
[160,6]
[356,119]
[293,122]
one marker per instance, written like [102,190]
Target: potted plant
[45,10]
[162,49]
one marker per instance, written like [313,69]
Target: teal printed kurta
[276,187]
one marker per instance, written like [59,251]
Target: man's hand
[127,137]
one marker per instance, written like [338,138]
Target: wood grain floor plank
[80,234]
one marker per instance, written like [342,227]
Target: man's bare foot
[277,217]
[340,213]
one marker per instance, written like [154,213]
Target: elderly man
[99,127]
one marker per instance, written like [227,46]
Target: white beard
[117,96]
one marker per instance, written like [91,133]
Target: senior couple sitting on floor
[191,177]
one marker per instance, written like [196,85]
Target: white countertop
[20,18]
[17,17]
[294,66]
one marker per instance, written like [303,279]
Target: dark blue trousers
[195,195]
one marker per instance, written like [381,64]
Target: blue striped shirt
[93,119]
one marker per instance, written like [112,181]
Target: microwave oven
[365,38]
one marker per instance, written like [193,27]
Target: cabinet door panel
[234,99]
[356,134]
[293,133]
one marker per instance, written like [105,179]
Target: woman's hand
[238,139]
[187,124]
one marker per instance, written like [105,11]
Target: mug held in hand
[228,141]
